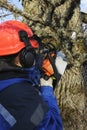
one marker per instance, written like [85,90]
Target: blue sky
[16,2]
[83,5]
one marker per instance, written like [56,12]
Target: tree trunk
[84,17]
[56,21]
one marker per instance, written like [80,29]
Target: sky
[83,7]
[16,2]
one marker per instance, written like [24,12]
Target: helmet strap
[27,56]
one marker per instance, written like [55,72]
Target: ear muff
[26,58]
[27,54]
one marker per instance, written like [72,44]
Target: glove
[60,65]
[44,82]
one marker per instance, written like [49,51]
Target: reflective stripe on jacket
[6,119]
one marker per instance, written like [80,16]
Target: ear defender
[26,58]
[27,54]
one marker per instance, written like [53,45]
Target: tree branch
[84,17]
[4,15]
[15,10]
[10,8]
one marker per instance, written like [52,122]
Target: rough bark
[84,17]
[4,4]
[55,21]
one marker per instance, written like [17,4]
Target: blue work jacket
[52,119]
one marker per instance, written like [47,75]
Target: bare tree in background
[60,22]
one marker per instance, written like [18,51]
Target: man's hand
[44,82]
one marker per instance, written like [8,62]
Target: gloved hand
[60,65]
[44,82]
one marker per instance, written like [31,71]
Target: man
[25,103]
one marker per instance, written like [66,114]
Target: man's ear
[17,61]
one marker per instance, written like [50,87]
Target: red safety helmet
[9,39]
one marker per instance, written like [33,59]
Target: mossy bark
[55,21]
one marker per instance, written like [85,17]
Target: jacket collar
[11,74]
